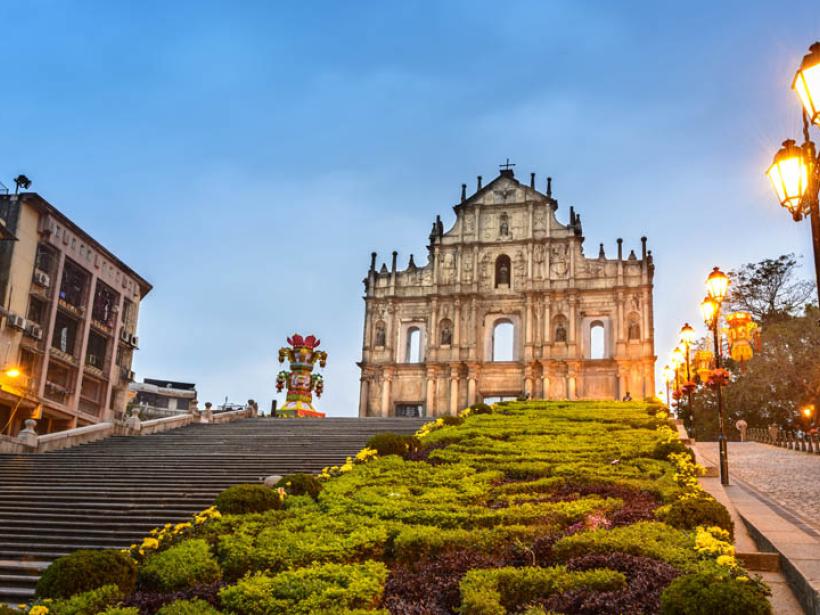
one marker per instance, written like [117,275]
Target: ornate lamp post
[717,285]
[668,375]
[795,171]
[687,338]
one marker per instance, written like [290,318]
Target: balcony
[72,309]
[57,392]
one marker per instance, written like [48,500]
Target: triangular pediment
[503,190]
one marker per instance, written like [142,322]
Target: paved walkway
[790,478]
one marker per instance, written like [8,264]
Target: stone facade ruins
[582,328]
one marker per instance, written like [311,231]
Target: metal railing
[793,440]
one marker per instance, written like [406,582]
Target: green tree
[769,290]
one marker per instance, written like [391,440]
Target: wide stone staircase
[110,493]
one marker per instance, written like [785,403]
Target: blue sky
[246,157]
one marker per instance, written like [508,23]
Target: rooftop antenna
[21,181]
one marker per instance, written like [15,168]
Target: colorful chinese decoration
[301,382]
[703,364]
[718,377]
[742,333]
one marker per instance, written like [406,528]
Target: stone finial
[478,183]
[620,249]
[412,263]
[133,422]
[395,257]
[208,415]
[643,248]
[28,436]
[373,261]
[532,181]
[463,192]
[601,253]
[549,187]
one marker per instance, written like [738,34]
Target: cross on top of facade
[507,165]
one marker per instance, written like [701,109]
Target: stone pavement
[772,491]
[790,478]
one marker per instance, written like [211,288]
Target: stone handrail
[9,445]
[230,416]
[72,437]
[164,424]
[809,443]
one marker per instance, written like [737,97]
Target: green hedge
[86,569]
[707,594]
[188,607]
[706,511]
[301,484]
[247,498]
[393,444]
[181,566]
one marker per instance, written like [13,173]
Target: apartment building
[68,321]
[161,398]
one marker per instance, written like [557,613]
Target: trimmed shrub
[188,607]
[451,421]
[301,484]
[93,601]
[85,570]
[689,513]
[481,409]
[393,444]
[121,610]
[662,450]
[247,498]
[184,565]
[326,588]
[152,601]
[706,594]
[499,590]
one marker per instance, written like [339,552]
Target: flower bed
[533,507]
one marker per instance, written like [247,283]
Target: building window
[105,304]
[74,284]
[45,260]
[412,353]
[503,341]
[91,396]
[597,340]
[502,271]
[95,354]
[65,333]
[58,383]
[410,410]
[36,311]
[28,364]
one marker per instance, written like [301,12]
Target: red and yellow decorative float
[300,380]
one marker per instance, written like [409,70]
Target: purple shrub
[149,602]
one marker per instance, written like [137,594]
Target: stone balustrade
[796,441]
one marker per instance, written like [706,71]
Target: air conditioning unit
[35,331]
[135,341]
[17,321]
[41,278]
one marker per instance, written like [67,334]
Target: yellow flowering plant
[161,537]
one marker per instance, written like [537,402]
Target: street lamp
[668,375]
[717,286]
[795,170]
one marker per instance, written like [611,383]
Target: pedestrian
[741,426]
[627,397]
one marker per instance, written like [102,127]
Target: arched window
[597,341]
[503,341]
[502,271]
[412,353]
[446,332]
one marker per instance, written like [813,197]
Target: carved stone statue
[634,330]
[504,227]
[560,332]
[380,335]
[446,334]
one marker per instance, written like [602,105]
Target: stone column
[387,379]
[363,396]
[472,381]
[453,390]
[430,401]
[528,380]
[545,380]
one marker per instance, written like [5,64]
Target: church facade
[507,305]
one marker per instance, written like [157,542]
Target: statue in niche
[447,269]
[538,257]
[467,271]
[634,329]
[469,224]
[380,335]
[502,271]
[504,227]
[634,303]
[446,333]
[558,261]
[561,332]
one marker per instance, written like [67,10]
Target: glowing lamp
[13,372]
[677,357]
[789,175]
[807,411]
[717,285]
[807,83]
[709,309]
[668,373]
[687,334]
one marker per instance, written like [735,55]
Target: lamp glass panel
[708,309]
[807,86]
[790,178]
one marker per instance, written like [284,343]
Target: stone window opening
[503,341]
[446,332]
[502,271]
[412,351]
[597,340]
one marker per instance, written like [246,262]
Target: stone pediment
[504,191]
